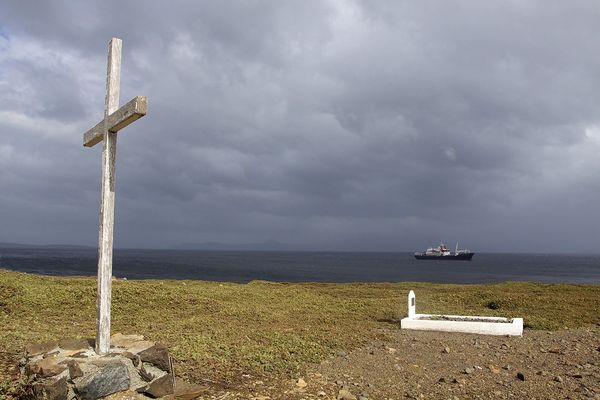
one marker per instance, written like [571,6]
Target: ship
[443,253]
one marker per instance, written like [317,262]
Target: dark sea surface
[244,266]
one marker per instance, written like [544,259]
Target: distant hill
[5,245]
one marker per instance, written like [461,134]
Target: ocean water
[244,266]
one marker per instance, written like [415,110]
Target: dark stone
[157,355]
[73,344]
[48,367]
[74,370]
[161,387]
[112,378]
[56,390]
[146,376]
[520,376]
[135,359]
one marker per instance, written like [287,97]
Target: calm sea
[244,266]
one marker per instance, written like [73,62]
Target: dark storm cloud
[340,124]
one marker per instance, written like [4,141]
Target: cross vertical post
[105,131]
[107,200]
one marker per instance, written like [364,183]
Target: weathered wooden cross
[105,131]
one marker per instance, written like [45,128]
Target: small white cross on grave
[106,131]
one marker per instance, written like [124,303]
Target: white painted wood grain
[107,201]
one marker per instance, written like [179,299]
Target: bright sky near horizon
[347,125]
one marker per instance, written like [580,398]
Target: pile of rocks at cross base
[69,369]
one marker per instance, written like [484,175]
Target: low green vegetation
[221,330]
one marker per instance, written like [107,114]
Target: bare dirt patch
[435,365]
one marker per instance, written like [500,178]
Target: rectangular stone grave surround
[460,323]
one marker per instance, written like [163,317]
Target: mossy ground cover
[221,330]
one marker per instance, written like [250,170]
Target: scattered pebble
[520,376]
[469,370]
[558,379]
[301,383]
[494,369]
[344,394]
[446,350]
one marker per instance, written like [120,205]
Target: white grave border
[460,323]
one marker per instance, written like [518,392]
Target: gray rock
[110,379]
[51,390]
[469,370]
[558,379]
[157,355]
[52,354]
[161,387]
[135,359]
[146,376]
[341,353]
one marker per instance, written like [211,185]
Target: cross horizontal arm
[135,109]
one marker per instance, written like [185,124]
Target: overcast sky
[346,125]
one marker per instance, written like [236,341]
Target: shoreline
[490,282]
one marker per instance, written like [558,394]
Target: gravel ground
[434,365]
